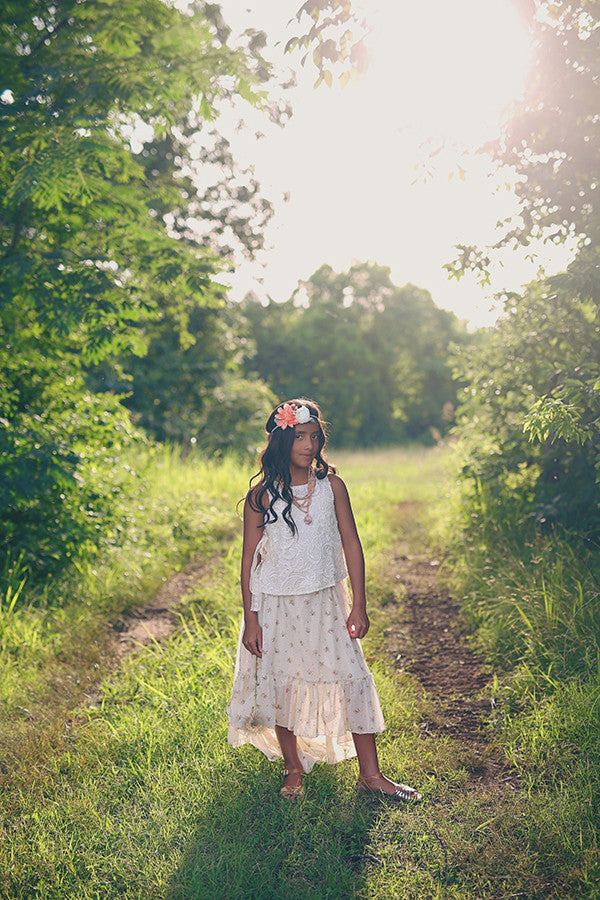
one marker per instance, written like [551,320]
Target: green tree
[88,231]
[527,359]
[549,424]
[375,355]
[195,393]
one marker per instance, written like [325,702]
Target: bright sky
[352,161]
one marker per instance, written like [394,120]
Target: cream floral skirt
[312,679]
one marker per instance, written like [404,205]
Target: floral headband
[290,414]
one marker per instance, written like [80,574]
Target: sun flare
[447,69]
[358,162]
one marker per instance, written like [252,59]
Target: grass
[53,641]
[531,593]
[530,597]
[141,797]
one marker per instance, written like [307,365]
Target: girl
[302,689]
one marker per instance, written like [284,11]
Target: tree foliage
[197,393]
[534,390]
[81,227]
[522,411]
[95,238]
[552,138]
[375,355]
[337,38]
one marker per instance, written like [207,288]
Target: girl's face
[305,446]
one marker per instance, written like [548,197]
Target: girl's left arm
[358,621]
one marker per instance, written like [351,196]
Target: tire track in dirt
[156,620]
[424,637]
[150,623]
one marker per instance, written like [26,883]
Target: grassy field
[140,796]
[53,640]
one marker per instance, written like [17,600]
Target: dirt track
[426,642]
[156,620]
[422,636]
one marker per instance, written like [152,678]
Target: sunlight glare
[446,69]
[358,162]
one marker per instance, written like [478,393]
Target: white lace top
[304,562]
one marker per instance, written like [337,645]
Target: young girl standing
[302,689]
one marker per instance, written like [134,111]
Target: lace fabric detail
[310,560]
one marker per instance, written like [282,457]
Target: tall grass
[54,636]
[530,592]
[141,797]
[530,596]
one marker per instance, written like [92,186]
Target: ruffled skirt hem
[326,695]
[321,749]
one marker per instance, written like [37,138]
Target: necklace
[304,503]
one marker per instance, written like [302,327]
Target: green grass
[54,638]
[532,594]
[530,597]
[142,797]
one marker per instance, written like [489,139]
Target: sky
[354,161]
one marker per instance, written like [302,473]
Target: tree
[81,215]
[527,358]
[339,37]
[197,393]
[375,355]
[551,140]
[88,229]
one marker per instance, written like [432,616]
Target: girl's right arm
[252,637]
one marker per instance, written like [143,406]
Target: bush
[529,415]
[61,475]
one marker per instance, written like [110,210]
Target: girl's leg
[368,762]
[289,751]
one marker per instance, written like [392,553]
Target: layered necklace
[303,503]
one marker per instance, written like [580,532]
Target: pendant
[307,519]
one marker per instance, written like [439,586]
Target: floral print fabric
[312,679]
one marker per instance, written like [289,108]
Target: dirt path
[156,620]
[424,637]
[143,625]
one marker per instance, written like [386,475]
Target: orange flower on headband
[286,416]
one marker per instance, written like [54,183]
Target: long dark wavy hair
[274,475]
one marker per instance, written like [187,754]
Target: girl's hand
[357,623]
[252,637]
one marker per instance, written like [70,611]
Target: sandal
[294,792]
[402,792]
